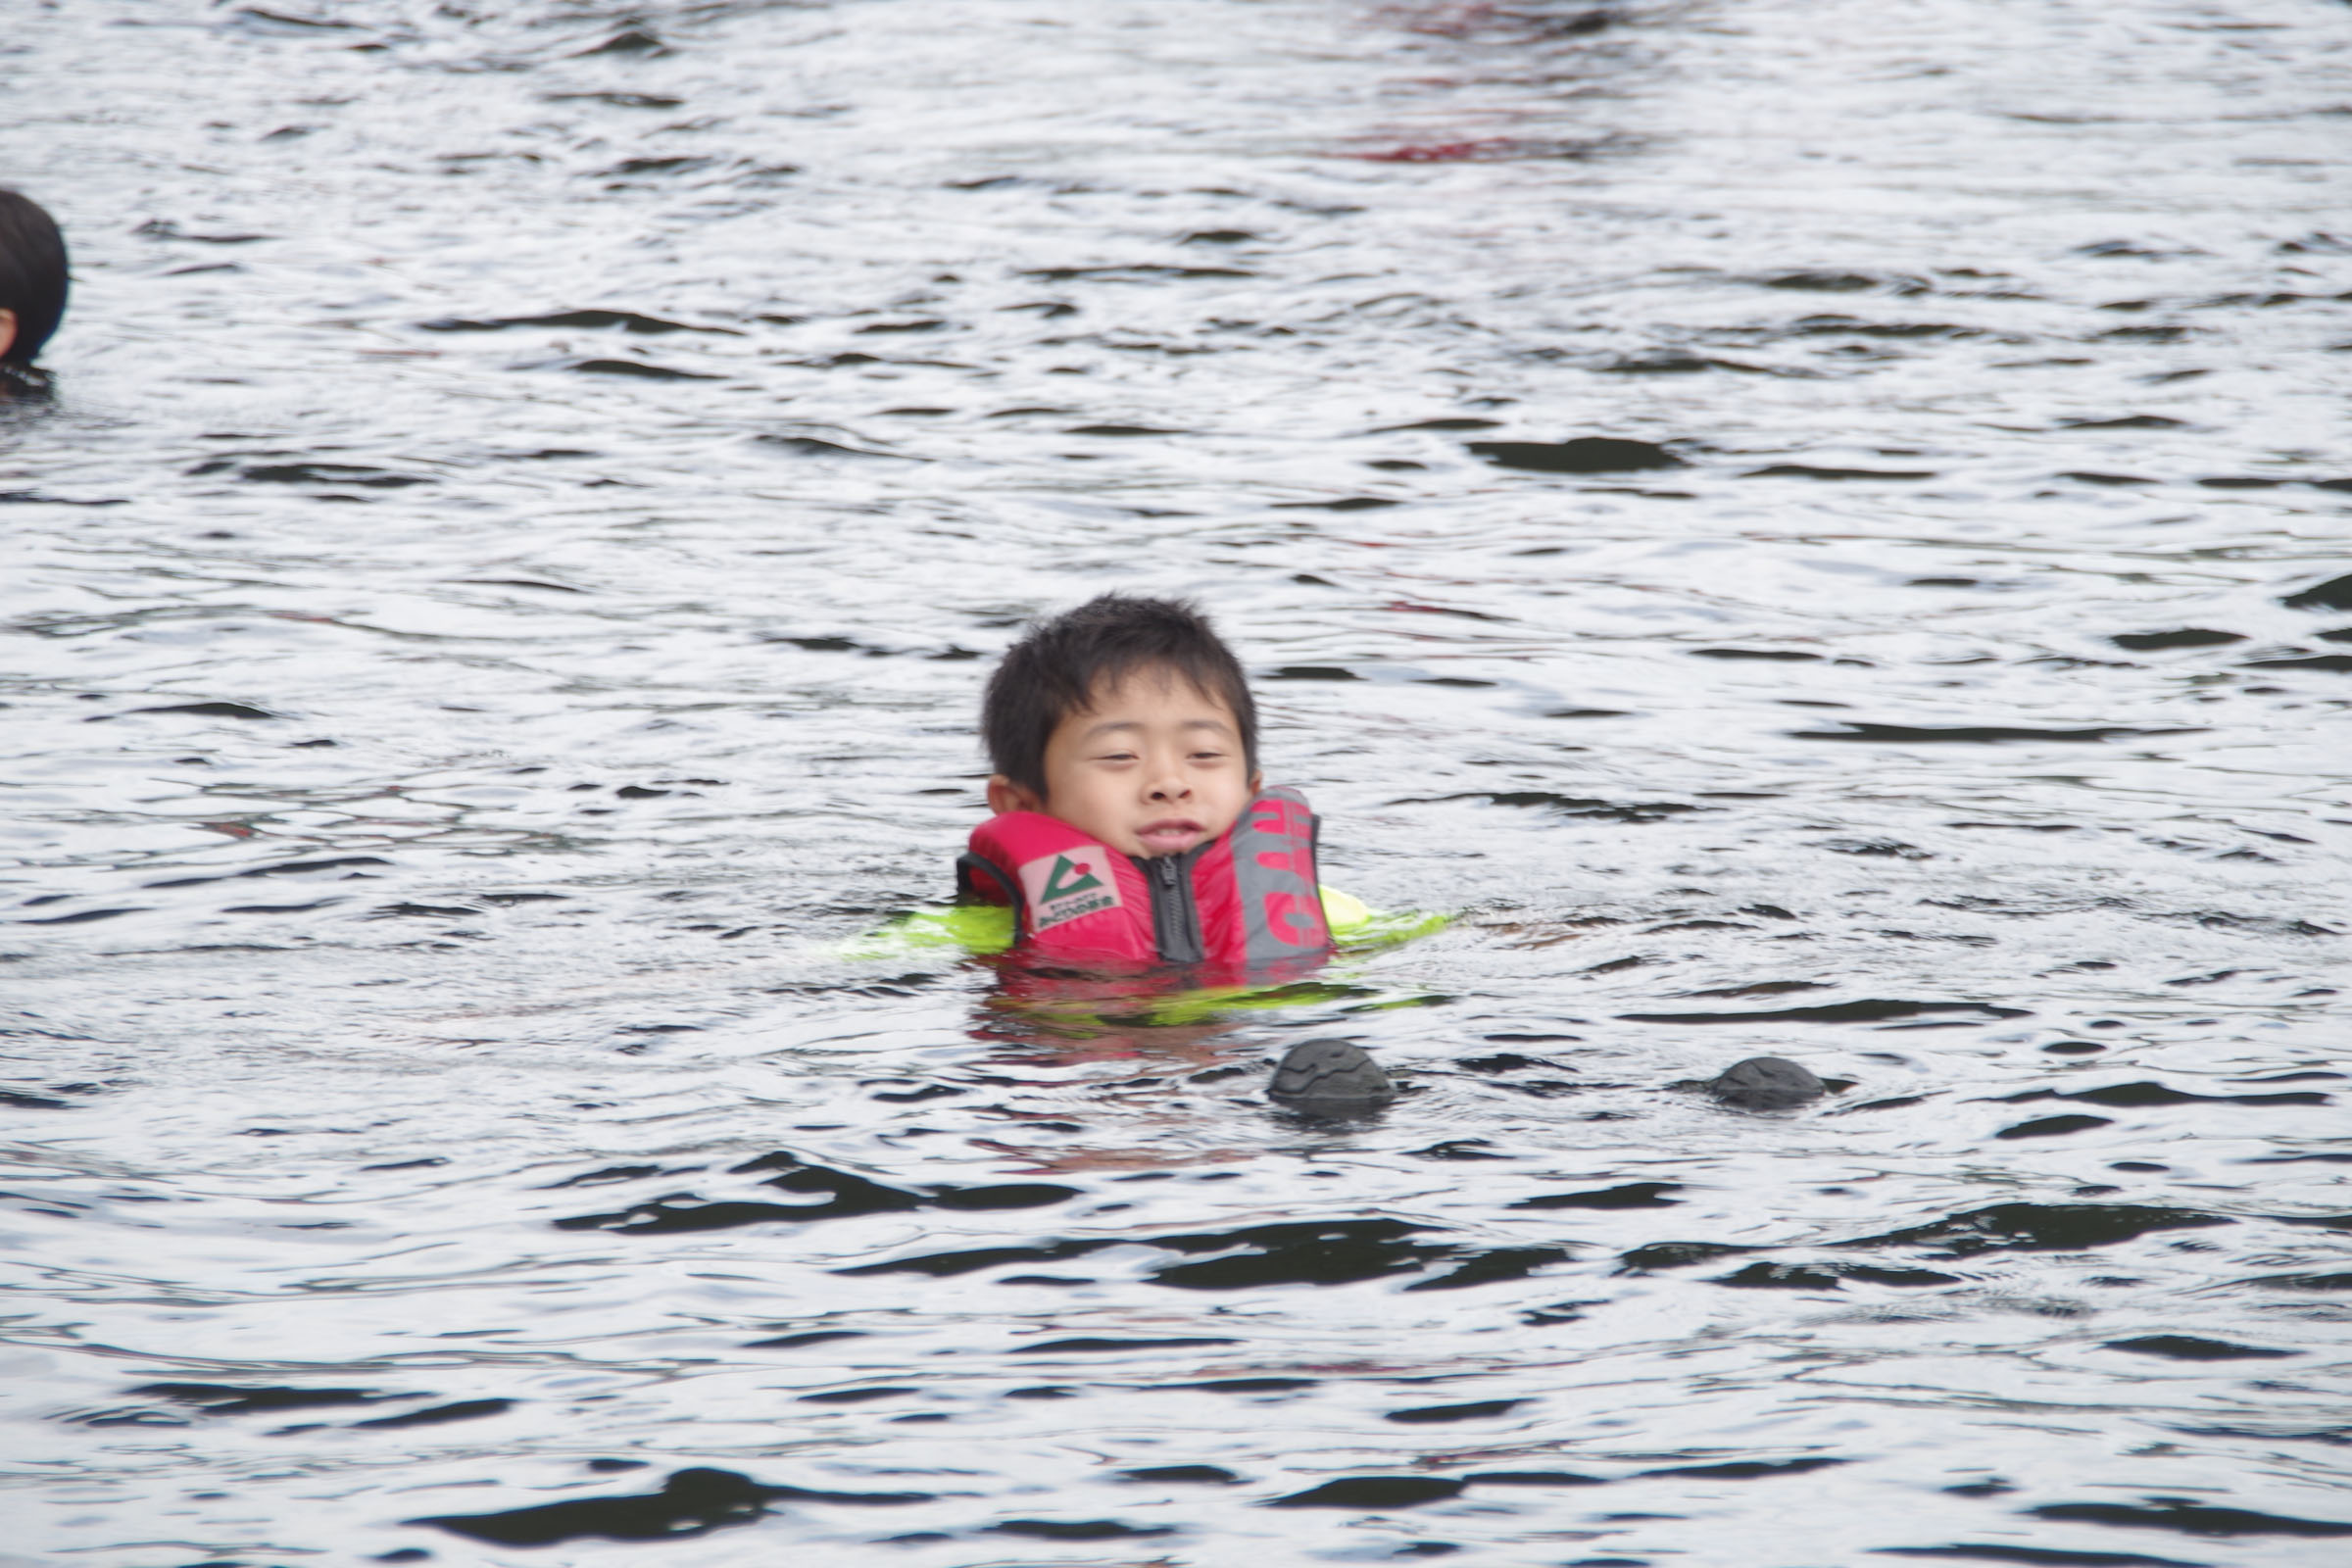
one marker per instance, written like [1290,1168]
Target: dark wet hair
[1064,661]
[33,273]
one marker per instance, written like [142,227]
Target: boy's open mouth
[1170,835]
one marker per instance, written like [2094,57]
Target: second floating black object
[1766,1083]
[1330,1077]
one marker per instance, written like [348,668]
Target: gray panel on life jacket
[1274,869]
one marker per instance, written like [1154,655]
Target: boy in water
[33,287]
[1131,821]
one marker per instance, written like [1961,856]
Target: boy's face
[1154,767]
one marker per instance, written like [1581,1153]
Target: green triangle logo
[1057,888]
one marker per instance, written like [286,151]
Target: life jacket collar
[1248,896]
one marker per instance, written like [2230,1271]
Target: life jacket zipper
[1175,915]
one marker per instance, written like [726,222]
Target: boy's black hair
[1065,662]
[33,274]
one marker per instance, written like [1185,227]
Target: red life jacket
[1245,898]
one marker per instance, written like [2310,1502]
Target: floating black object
[1766,1083]
[1331,1076]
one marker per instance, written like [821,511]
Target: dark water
[497,603]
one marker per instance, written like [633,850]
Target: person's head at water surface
[32,278]
[1127,718]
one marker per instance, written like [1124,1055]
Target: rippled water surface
[494,607]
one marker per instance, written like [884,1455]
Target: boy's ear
[1258,783]
[8,332]
[1004,795]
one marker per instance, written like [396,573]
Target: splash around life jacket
[1248,896]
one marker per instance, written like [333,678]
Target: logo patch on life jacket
[1068,884]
